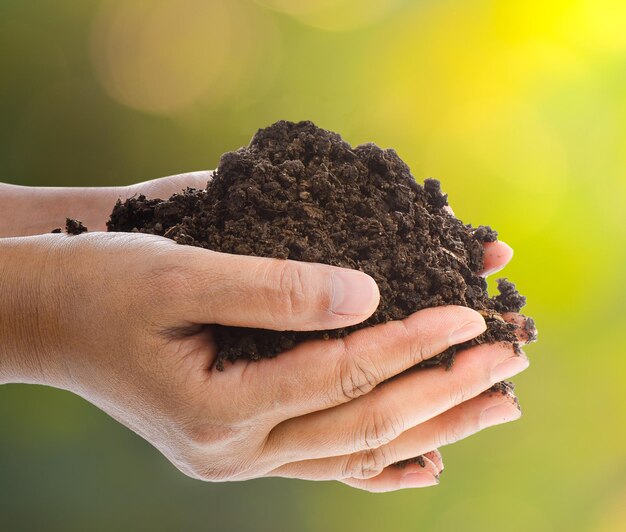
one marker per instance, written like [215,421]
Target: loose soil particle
[73,227]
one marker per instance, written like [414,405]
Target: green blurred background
[518,107]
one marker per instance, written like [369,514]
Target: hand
[28,211]
[164,187]
[119,319]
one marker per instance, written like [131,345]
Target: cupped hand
[124,320]
[164,187]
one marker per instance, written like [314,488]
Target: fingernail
[436,458]
[509,367]
[353,292]
[419,479]
[491,271]
[494,415]
[469,330]
[504,251]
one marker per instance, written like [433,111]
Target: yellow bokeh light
[599,25]
[163,56]
[512,143]
[334,15]
[613,519]
[471,514]
[584,24]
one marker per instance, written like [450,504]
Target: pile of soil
[301,192]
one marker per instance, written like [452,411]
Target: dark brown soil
[301,192]
[74,227]
[417,460]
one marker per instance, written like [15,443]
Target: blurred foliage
[518,107]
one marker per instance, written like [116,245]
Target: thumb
[164,187]
[274,294]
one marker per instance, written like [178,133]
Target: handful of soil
[301,192]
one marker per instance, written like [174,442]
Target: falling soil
[300,192]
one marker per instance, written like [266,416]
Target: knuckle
[447,435]
[419,348]
[380,428]
[290,289]
[367,464]
[168,280]
[357,377]
[422,351]
[458,393]
[209,435]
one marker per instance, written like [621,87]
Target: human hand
[119,319]
[164,187]
[28,211]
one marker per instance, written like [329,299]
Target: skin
[124,321]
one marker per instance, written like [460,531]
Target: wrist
[30,344]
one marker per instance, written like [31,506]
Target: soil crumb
[301,192]
[417,460]
[73,227]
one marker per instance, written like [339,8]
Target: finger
[379,417]
[164,187]
[526,329]
[436,458]
[268,293]
[330,468]
[490,408]
[394,478]
[320,374]
[422,473]
[497,255]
